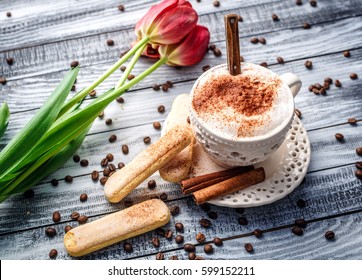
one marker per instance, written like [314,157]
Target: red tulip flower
[190,50]
[167,22]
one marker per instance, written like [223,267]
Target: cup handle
[292,81]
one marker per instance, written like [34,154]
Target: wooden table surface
[44,36]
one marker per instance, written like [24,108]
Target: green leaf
[26,139]
[4,118]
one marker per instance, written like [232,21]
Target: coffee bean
[191,256]
[326,85]
[125,149]
[318,86]
[188,119]
[74,216]
[306,25]
[155,242]
[161,232]
[121,165]
[205,207]
[54,182]
[111,168]
[123,68]
[280,60]
[56,217]
[310,88]
[161,109]
[242,221]
[51,232]
[346,54]
[199,258]
[337,83]
[173,258]
[358,173]
[262,40]
[147,140]
[76,158]
[212,47]
[93,93]
[160,256]
[217,52]
[84,162]
[308,64]
[101,115]
[205,68]
[275,17]
[298,113]
[67,228]
[163,196]
[315,91]
[10,60]
[68,179]
[3,80]
[120,99]
[239,210]
[212,215]
[328,80]
[179,227]
[157,125]
[169,83]
[128,247]
[353,76]
[329,235]
[104,162]
[339,136]
[53,253]
[264,64]
[175,210]
[179,239]
[254,40]
[74,64]
[29,194]
[240,19]
[8,14]
[205,223]
[110,42]
[218,241]
[258,233]
[301,203]
[358,164]
[165,87]
[189,247]
[313,3]
[359,151]
[82,219]
[216,3]
[130,77]
[200,237]
[352,121]
[112,138]
[297,230]
[109,121]
[83,197]
[248,247]
[208,249]
[298,2]
[151,184]
[323,91]
[300,223]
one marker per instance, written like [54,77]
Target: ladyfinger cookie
[113,228]
[122,182]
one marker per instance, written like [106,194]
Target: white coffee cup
[229,150]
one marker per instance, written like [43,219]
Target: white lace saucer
[284,170]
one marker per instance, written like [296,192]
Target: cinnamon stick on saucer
[230,185]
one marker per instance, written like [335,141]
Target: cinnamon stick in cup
[230,185]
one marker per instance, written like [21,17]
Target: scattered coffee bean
[109,121]
[313,3]
[212,47]
[306,25]
[56,217]
[123,68]
[353,76]
[29,194]
[329,235]
[161,232]
[208,249]
[205,223]
[83,197]
[280,60]
[8,14]
[74,64]
[76,158]
[10,60]
[248,247]
[110,42]
[175,210]
[179,239]
[298,2]
[189,247]
[179,227]
[155,242]
[163,196]
[310,88]
[318,86]
[84,162]
[258,233]
[109,157]
[160,256]
[188,119]
[239,210]
[125,149]
[298,113]
[358,173]
[300,223]
[173,258]
[212,215]
[217,52]
[301,203]
[358,164]
[68,179]
[242,221]
[264,64]
[51,232]
[121,8]
[359,151]
[151,184]
[121,165]
[101,115]
[199,258]
[316,91]
[3,80]
[352,121]
[205,68]
[216,3]
[53,253]
[328,80]
[128,247]
[111,168]
[218,241]
[147,140]
[326,85]
[93,93]
[169,83]
[346,54]
[157,125]
[165,87]
[205,207]
[254,40]
[104,162]
[337,83]
[82,219]
[120,99]
[74,216]
[308,64]
[200,237]
[191,256]
[161,109]
[297,230]
[67,228]
[112,138]
[130,77]
[262,40]
[103,180]
[275,17]
[339,136]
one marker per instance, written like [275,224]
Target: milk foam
[230,124]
